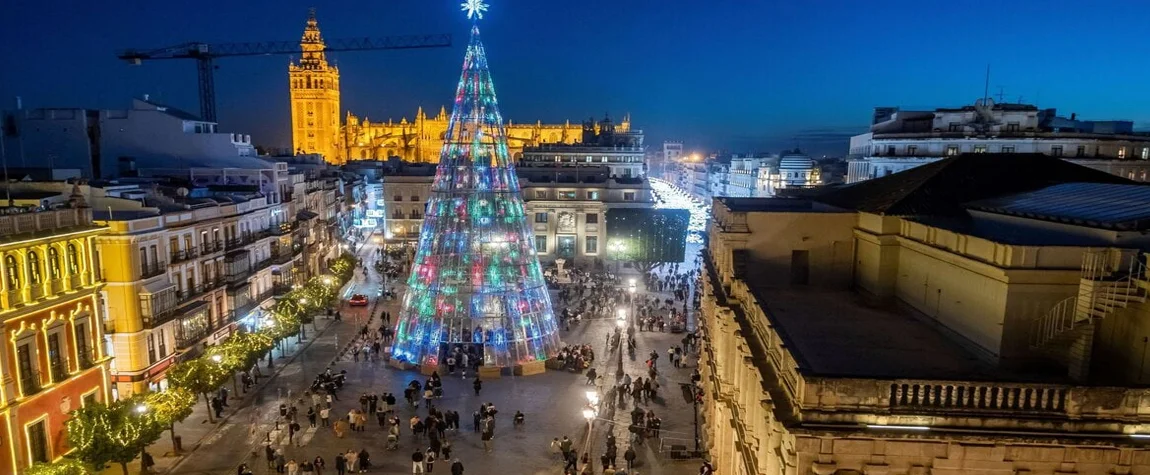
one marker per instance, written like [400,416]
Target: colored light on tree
[475,279]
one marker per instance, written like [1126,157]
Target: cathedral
[315,111]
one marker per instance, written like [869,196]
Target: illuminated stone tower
[314,86]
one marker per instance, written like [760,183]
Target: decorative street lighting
[616,247]
[620,321]
[141,409]
[327,280]
[217,358]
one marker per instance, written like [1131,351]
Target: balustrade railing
[951,396]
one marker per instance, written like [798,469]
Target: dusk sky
[740,75]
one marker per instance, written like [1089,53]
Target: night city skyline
[748,78]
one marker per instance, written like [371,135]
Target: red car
[358,300]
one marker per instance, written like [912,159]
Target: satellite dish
[182,192]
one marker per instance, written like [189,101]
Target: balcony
[59,371]
[87,359]
[44,220]
[30,383]
[184,255]
[76,281]
[56,285]
[210,247]
[281,229]
[149,270]
[279,290]
[280,257]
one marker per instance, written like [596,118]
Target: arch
[55,271]
[35,276]
[363,154]
[11,273]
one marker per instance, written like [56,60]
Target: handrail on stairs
[1105,296]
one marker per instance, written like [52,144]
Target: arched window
[34,275]
[73,260]
[53,263]
[12,273]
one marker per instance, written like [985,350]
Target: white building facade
[901,140]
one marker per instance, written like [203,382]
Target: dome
[795,161]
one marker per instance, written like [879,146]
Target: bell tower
[314,86]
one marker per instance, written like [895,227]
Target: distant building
[622,151]
[985,313]
[406,190]
[900,140]
[114,143]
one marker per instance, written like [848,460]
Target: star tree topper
[474,8]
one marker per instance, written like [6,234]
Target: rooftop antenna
[1001,94]
[986,86]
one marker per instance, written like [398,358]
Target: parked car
[358,300]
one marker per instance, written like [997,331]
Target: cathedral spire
[312,44]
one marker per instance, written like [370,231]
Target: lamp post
[620,322]
[616,247]
[631,291]
[589,413]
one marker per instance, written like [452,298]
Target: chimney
[19,103]
[1073,115]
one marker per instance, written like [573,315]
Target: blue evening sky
[743,75]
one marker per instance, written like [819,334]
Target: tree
[648,237]
[170,407]
[200,376]
[65,466]
[102,433]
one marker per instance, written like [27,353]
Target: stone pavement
[552,403]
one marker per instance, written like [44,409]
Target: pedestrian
[311,416]
[572,462]
[325,416]
[457,467]
[429,458]
[340,464]
[280,462]
[364,460]
[352,461]
[476,418]
[591,375]
[477,385]
[555,446]
[292,467]
[270,454]
[565,447]
[417,461]
[292,429]
[319,464]
[306,467]
[243,469]
[629,456]
[487,436]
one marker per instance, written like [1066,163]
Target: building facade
[406,190]
[942,298]
[901,140]
[112,143]
[315,102]
[52,358]
[620,149]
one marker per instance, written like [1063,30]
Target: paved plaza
[552,403]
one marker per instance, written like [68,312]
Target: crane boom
[205,54]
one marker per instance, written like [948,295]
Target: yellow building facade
[315,110]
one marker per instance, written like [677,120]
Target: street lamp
[141,409]
[593,397]
[327,280]
[620,321]
[217,358]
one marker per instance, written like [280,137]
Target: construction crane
[205,55]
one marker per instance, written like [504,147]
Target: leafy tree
[200,376]
[65,466]
[118,433]
[647,237]
[170,407]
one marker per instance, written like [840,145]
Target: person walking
[572,462]
[292,467]
[280,462]
[565,447]
[457,467]
[311,416]
[629,456]
[340,464]
[325,416]
[417,461]
[319,464]
[477,385]
[270,454]
[429,459]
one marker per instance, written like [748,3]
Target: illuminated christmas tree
[475,280]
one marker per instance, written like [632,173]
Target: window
[567,195]
[1121,152]
[955,127]
[951,150]
[1007,149]
[88,399]
[1145,153]
[541,244]
[980,149]
[628,196]
[592,195]
[163,344]
[55,358]
[143,261]
[151,349]
[29,380]
[414,197]
[53,263]
[12,273]
[82,345]
[911,150]
[1081,152]
[541,217]
[592,246]
[540,194]
[890,149]
[34,275]
[592,218]
[1012,127]
[73,260]
[38,442]
[1056,151]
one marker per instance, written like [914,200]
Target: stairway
[1066,331]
